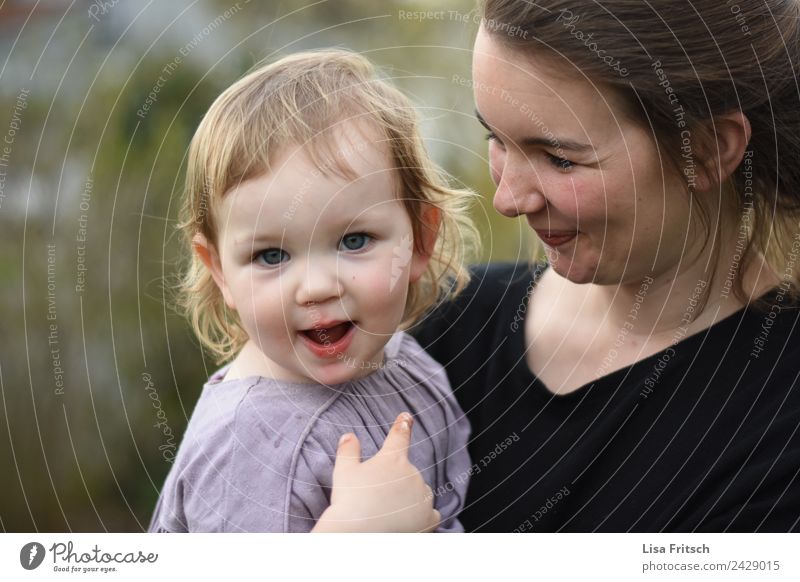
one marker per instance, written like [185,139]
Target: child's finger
[437,517]
[348,454]
[399,437]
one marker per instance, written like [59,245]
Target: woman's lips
[556,238]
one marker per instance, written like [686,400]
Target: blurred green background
[98,376]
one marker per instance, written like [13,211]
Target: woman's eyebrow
[481,120]
[552,142]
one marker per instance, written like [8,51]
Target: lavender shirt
[258,453]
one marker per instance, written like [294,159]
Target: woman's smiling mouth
[556,238]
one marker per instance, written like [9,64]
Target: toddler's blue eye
[356,241]
[272,256]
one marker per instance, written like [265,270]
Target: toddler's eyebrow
[256,240]
[552,142]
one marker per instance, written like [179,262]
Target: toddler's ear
[423,249]
[208,254]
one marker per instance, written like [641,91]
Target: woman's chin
[574,271]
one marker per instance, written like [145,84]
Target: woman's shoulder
[770,339]
[491,285]
[494,283]
[496,292]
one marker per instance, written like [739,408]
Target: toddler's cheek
[373,286]
[383,288]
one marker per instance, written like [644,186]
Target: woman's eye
[560,163]
[356,241]
[493,140]
[272,257]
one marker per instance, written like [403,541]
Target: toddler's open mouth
[329,339]
[328,335]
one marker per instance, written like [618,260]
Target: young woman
[644,377]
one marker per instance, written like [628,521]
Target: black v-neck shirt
[700,437]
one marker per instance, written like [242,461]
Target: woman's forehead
[517,93]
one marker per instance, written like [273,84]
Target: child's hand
[384,494]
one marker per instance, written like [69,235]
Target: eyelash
[562,164]
[367,244]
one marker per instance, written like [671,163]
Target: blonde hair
[295,102]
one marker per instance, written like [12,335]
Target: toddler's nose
[317,285]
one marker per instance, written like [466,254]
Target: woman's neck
[674,303]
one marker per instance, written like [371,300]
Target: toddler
[318,230]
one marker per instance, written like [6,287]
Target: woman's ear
[208,254]
[423,249]
[732,133]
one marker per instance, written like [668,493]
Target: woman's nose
[317,284]
[518,191]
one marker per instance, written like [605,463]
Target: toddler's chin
[337,373]
[344,369]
